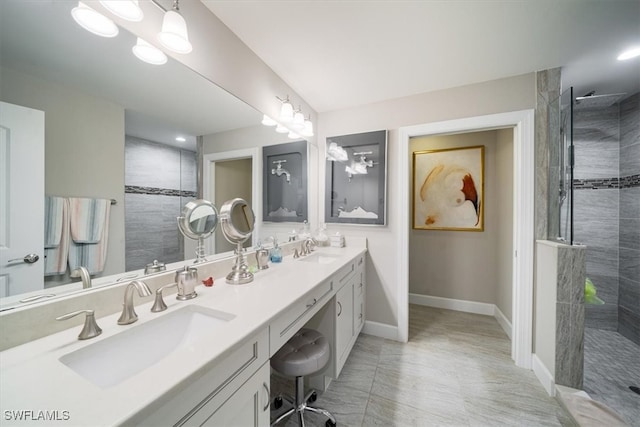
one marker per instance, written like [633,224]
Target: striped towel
[89,233]
[88,218]
[53,221]
[55,258]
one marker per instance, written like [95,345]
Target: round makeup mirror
[237,221]
[198,220]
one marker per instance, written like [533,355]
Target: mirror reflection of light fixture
[286,110]
[148,53]
[268,121]
[93,21]
[174,34]
[308,128]
[125,9]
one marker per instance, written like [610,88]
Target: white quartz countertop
[33,380]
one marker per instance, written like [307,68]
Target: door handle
[28,259]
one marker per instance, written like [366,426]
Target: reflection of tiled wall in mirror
[159,181]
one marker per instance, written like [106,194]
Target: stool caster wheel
[277,402]
[313,397]
[330,423]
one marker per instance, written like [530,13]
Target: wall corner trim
[381,330]
[543,375]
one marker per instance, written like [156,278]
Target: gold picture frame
[448,189]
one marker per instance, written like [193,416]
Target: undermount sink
[319,258]
[121,356]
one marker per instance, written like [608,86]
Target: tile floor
[456,370]
[611,365]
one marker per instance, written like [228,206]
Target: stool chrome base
[300,405]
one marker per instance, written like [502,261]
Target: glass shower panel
[561,162]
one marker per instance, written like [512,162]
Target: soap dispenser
[276,252]
[262,257]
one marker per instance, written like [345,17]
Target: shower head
[590,100]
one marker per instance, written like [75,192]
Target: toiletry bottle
[276,252]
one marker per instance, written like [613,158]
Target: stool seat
[305,353]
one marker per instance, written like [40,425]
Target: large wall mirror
[111,123]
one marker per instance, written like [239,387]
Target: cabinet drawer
[286,325]
[196,401]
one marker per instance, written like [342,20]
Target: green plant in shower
[590,293]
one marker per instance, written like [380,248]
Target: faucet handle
[90,329]
[158,304]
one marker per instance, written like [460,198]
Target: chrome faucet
[83,273]
[129,315]
[309,244]
[279,170]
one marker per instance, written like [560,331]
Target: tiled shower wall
[607,211]
[159,180]
[629,234]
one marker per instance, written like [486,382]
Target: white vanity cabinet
[235,391]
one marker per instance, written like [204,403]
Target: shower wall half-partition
[607,211]
[159,181]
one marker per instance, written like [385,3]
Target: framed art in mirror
[448,189]
[285,182]
[356,175]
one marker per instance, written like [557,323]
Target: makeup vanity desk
[221,377]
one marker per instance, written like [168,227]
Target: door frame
[522,123]
[208,191]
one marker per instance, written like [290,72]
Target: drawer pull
[313,303]
[266,387]
[360,261]
[339,305]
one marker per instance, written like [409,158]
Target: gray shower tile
[630,121]
[596,141]
[602,316]
[630,233]
[188,171]
[630,202]
[630,264]
[630,295]
[603,261]
[597,232]
[630,160]
[149,164]
[629,325]
[599,204]
[606,287]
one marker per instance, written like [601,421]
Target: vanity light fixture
[298,120]
[174,34]
[148,53]
[286,111]
[629,53]
[125,9]
[180,138]
[281,129]
[93,21]
[308,128]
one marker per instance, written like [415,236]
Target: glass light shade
[286,112]
[298,121]
[293,135]
[281,129]
[268,121]
[148,53]
[174,33]
[93,21]
[308,128]
[125,9]
[629,54]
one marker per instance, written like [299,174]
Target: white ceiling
[339,54]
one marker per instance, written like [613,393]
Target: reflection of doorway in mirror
[21,201]
[232,179]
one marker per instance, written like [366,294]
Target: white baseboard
[453,304]
[543,375]
[381,330]
[503,321]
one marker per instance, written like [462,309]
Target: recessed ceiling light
[180,139]
[629,53]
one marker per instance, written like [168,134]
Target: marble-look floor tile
[384,412]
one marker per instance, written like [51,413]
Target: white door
[21,199]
